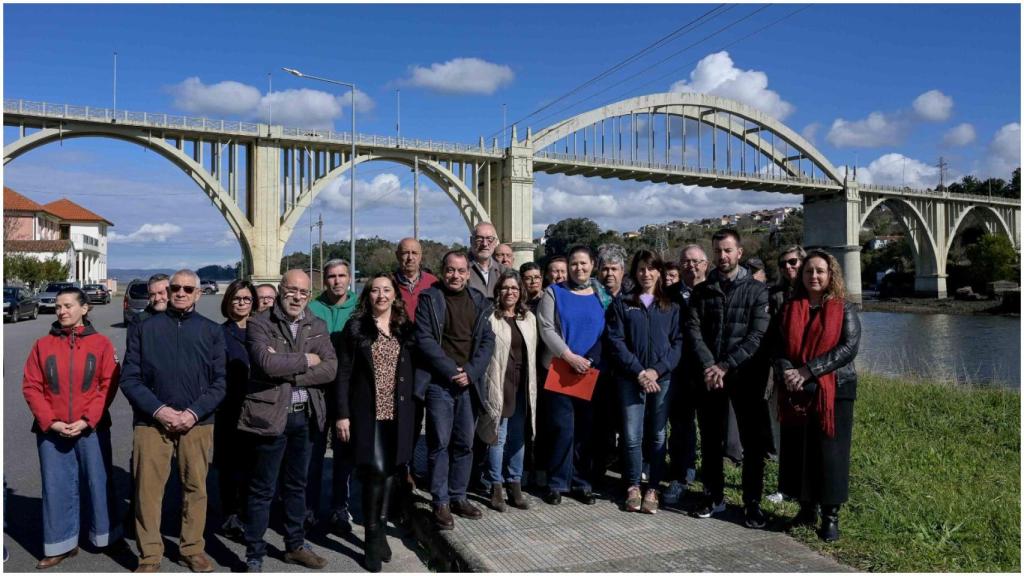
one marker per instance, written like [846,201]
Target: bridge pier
[832,223]
[933,286]
[266,245]
[514,218]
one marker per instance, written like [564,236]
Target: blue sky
[886,88]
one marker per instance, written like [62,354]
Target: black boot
[829,531]
[373,486]
[382,536]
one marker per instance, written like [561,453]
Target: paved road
[23,512]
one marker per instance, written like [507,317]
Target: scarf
[806,339]
[602,295]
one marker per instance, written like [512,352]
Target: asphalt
[23,509]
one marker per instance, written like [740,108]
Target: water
[965,349]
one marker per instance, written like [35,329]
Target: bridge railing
[194,123]
[643,164]
[901,190]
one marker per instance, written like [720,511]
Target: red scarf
[806,339]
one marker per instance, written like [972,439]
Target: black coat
[356,390]
[725,322]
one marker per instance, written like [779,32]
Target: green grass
[934,481]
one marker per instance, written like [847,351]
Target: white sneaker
[775,498]
[673,493]
[691,475]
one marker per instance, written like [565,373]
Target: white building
[88,232]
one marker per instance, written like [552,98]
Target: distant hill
[213,272]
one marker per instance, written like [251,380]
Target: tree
[33,272]
[564,234]
[992,258]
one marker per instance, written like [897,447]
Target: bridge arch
[720,113]
[237,222]
[922,239]
[986,215]
[467,203]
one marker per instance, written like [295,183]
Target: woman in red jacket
[70,379]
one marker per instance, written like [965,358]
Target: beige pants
[153,449]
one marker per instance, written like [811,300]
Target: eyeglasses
[485,239]
[178,288]
[296,293]
[267,298]
[241,300]
[790,262]
[509,289]
[692,263]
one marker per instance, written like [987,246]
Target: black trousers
[812,466]
[751,415]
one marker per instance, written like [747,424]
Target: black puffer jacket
[838,359]
[726,320]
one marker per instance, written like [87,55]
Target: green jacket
[335,315]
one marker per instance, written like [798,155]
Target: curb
[446,553]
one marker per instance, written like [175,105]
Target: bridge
[263,177]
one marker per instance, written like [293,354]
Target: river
[966,349]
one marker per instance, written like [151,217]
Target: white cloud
[933,106]
[461,76]
[716,74]
[961,135]
[147,233]
[301,108]
[1003,155]
[627,206]
[810,132]
[898,170]
[227,98]
[878,129]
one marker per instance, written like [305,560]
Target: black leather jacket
[838,359]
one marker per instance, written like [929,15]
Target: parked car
[48,295]
[209,286]
[19,303]
[97,293]
[136,298]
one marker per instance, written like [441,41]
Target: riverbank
[936,306]
[934,481]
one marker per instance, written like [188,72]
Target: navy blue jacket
[642,337]
[434,365]
[237,375]
[174,359]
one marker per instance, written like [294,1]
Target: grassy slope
[935,481]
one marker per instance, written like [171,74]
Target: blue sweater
[582,319]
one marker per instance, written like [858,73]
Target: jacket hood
[85,329]
[715,277]
[349,303]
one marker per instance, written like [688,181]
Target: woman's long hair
[399,323]
[836,287]
[520,307]
[229,294]
[652,261]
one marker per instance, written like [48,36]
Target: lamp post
[352,172]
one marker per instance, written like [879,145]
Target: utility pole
[416,198]
[320,225]
[942,165]
[114,113]
[504,126]
[398,116]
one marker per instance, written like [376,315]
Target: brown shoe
[497,497]
[51,561]
[633,499]
[516,497]
[197,563]
[148,567]
[305,557]
[650,503]
[465,509]
[443,517]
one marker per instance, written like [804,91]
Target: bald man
[292,361]
[411,278]
[483,268]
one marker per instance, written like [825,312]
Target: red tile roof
[19,203]
[68,210]
[37,245]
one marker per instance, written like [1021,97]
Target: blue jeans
[72,468]
[286,454]
[341,471]
[644,417]
[508,452]
[450,430]
[569,458]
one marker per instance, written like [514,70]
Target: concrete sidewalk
[573,537]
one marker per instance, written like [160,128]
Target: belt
[297,407]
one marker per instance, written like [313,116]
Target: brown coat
[278,362]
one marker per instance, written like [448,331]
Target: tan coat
[489,420]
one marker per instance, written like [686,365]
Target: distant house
[88,231]
[25,219]
[629,235]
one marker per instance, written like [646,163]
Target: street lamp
[352,173]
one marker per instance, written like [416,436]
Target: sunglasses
[790,262]
[179,288]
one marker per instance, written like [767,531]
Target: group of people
[464,358]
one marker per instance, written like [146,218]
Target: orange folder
[564,380]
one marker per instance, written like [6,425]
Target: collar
[180,314]
[408,282]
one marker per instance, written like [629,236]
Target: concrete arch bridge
[262,177]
